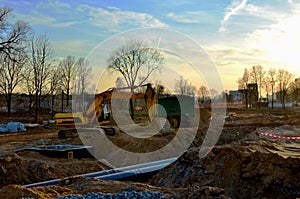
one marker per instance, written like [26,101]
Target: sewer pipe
[115,174]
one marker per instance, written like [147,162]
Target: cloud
[221,52]
[39,19]
[70,46]
[113,16]
[55,14]
[252,16]
[270,38]
[233,9]
[187,18]
[50,4]
[280,40]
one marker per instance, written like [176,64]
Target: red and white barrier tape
[279,136]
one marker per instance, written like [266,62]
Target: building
[252,94]
[296,92]
[237,95]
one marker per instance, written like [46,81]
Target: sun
[280,43]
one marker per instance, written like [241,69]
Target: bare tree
[68,67]
[133,61]
[243,81]
[82,77]
[295,90]
[240,83]
[28,84]
[54,85]
[257,74]
[184,87]
[40,62]
[180,85]
[267,85]
[11,69]
[83,73]
[213,93]
[203,93]
[13,35]
[284,79]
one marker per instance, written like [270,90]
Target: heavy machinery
[99,112]
[179,109]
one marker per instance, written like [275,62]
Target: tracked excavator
[99,112]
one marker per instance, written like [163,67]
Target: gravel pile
[123,195]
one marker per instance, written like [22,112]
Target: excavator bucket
[150,99]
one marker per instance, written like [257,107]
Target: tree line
[269,81]
[27,62]
[279,81]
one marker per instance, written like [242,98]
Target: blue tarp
[12,127]
[3,128]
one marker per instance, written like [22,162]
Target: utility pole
[272,84]
[246,94]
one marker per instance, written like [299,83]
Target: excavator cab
[105,112]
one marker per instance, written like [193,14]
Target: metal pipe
[130,173]
[128,168]
[114,174]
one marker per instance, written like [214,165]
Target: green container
[179,108]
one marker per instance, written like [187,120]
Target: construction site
[255,156]
[149,99]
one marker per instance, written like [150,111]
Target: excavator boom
[96,110]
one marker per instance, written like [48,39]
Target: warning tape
[279,136]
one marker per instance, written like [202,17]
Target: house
[237,95]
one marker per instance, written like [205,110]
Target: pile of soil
[29,167]
[84,185]
[243,171]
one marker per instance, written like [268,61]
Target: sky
[232,34]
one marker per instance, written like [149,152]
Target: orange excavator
[99,112]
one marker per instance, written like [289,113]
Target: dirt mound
[17,191]
[241,170]
[84,186]
[29,167]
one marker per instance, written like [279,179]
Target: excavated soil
[83,186]
[241,165]
[244,171]
[28,167]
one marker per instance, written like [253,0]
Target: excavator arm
[96,108]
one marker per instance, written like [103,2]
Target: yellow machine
[68,119]
[95,113]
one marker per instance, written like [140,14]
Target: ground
[243,164]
